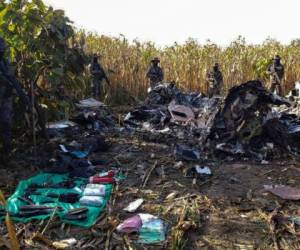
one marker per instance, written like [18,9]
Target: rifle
[277,77]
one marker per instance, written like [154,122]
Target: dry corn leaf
[186,225]
[2,199]
[172,195]
[12,233]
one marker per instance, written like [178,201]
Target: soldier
[8,85]
[98,75]
[276,72]
[214,80]
[155,74]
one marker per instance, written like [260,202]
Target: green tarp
[14,203]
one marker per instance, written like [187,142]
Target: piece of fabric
[14,203]
[181,113]
[284,192]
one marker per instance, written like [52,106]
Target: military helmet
[276,57]
[2,44]
[155,59]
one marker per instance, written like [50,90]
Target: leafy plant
[43,48]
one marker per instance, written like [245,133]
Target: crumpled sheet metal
[163,94]
[89,103]
[245,101]
[285,132]
[166,103]
[61,124]
[91,112]
[246,109]
[284,192]
[241,124]
[181,113]
[207,112]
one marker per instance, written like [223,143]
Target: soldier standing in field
[155,73]
[98,75]
[215,80]
[8,86]
[276,72]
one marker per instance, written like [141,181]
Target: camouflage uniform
[276,72]
[98,75]
[155,74]
[215,80]
[8,85]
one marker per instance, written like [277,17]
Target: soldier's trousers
[96,88]
[213,91]
[6,119]
[277,86]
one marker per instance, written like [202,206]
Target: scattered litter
[179,164]
[101,180]
[64,244]
[264,162]
[284,192]
[297,221]
[60,125]
[76,153]
[151,229]
[95,201]
[90,103]
[198,172]
[94,190]
[80,154]
[110,173]
[133,206]
[63,148]
[132,224]
[185,153]
[203,170]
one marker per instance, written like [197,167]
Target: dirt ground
[228,210]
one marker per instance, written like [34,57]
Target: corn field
[59,54]
[188,64]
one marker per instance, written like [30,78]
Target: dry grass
[188,64]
